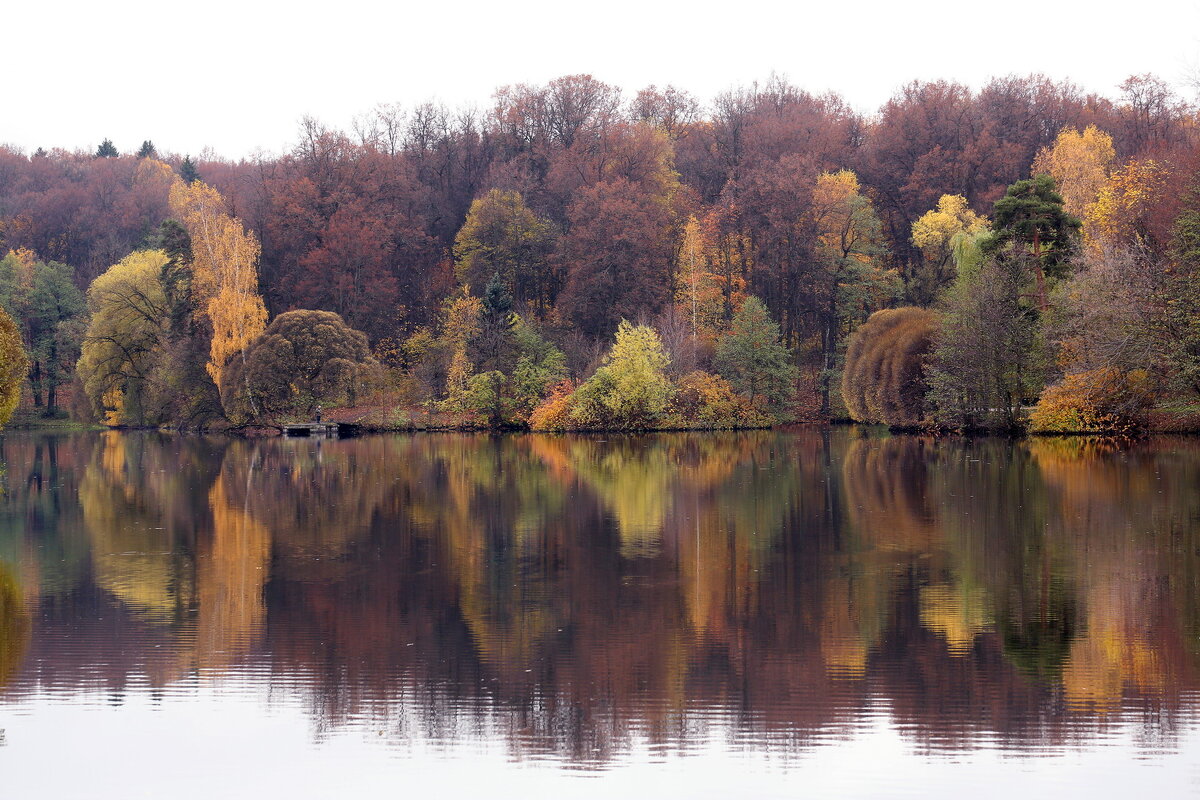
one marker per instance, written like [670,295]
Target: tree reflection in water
[589,593]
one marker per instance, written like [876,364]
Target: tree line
[585,215]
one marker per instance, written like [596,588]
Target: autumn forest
[1021,256]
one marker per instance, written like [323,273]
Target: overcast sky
[237,75]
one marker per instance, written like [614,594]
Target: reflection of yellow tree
[1100,502]
[632,478]
[732,502]
[14,626]
[955,612]
[851,621]
[489,504]
[229,581]
[134,556]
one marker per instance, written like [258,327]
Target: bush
[1104,400]
[630,391]
[709,401]
[554,414]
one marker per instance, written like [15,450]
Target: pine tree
[107,150]
[1031,215]
[188,172]
[147,150]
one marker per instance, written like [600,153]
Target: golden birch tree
[1079,164]
[225,272]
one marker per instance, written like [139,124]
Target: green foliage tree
[539,365]
[302,359]
[49,309]
[883,379]
[1031,213]
[631,390]
[502,236]
[187,171]
[125,339]
[107,150]
[1029,223]
[989,355]
[752,358]
[14,365]
[147,150]
[492,346]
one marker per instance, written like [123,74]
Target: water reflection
[578,596]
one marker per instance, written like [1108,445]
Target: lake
[799,613]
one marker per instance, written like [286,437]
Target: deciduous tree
[14,365]
[618,254]
[502,236]
[125,337]
[1079,164]
[224,273]
[934,233]
[302,359]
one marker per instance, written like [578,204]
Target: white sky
[237,75]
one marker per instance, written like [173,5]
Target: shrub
[709,401]
[554,414]
[1104,400]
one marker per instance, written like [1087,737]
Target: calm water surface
[808,613]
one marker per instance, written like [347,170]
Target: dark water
[804,614]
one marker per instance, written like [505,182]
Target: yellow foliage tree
[1117,215]
[934,231]
[699,292]
[225,272]
[937,233]
[460,324]
[14,365]
[1079,164]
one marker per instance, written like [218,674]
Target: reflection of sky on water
[805,613]
[236,741]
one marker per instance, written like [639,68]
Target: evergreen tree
[187,171]
[107,150]
[147,150]
[492,348]
[177,273]
[1029,224]
[752,358]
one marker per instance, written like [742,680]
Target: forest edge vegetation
[1024,256]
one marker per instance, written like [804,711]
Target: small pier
[311,429]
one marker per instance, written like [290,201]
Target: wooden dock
[311,429]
